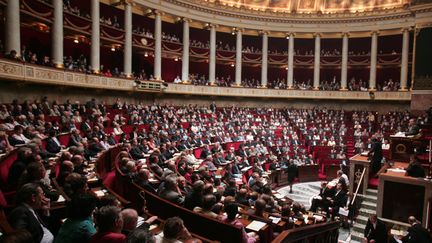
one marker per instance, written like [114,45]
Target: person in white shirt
[385,145]
[19,136]
[177,80]
[117,130]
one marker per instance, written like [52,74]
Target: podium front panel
[402,200]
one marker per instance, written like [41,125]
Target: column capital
[316,34]
[404,29]
[290,34]
[188,20]
[237,30]
[128,2]
[210,25]
[375,32]
[158,12]
[263,32]
[347,34]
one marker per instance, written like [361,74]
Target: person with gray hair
[130,221]
[171,191]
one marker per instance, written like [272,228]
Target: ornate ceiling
[312,6]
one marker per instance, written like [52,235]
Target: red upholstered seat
[3,202]
[64,139]
[373,183]
[5,165]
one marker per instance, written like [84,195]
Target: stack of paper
[275,220]
[61,199]
[256,225]
[99,193]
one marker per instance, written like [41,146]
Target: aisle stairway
[302,192]
[368,207]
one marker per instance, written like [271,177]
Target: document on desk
[256,225]
[61,199]
[246,168]
[275,220]
[398,170]
[99,193]
[140,221]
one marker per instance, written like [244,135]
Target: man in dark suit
[375,230]
[30,198]
[413,128]
[53,144]
[322,200]
[416,233]
[415,169]
[18,167]
[376,155]
[171,191]
[339,200]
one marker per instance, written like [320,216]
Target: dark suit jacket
[417,234]
[377,156]
[379,234]
[193,200]
[415,170]
[136,152]
[172,196]
[15,172]
[52,146]
[414,130]
[22,218]
[340,199]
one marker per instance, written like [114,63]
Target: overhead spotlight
[145,54]
[113,48]
[232,65]
[176,59]
[76,41]
[286,68]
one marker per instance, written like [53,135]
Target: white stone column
[373,62]
[127,56]
[57,34]
[316,80]
[13,29]
[344,67]
[212,61]
[95,37]
[158,47]
[185,57]
[264,61]
[238,64]
[404,61]
[290,74]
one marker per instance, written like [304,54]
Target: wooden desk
[308,173]
[357,164]
[401,196]
[401,148]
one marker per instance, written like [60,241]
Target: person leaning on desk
[415,169]
[413,128]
